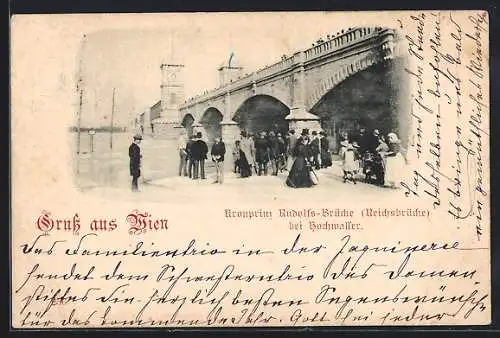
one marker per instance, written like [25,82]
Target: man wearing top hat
[305,134]
[262,153]
[199,151]
[134,153]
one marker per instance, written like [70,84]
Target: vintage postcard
[250,169]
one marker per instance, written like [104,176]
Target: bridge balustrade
[333,44]
[339,42]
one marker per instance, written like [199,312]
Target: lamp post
[112,116]
[91,134]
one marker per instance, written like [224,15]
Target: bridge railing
[341,41]
[274,68]
[333,44]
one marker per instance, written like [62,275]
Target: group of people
[376,157]
[272,152]
[194,151]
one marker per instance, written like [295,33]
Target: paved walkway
[254,189]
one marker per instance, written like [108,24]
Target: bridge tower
[167,125]
[229,71]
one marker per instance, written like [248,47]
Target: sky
[125,52]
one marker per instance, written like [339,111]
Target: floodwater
[103,164]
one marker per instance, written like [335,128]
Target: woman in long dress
[299,176]
[394,161]
[380,151]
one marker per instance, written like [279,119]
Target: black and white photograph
[178,109]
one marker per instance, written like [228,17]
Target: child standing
[349,164]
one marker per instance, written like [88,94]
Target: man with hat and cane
[134,153]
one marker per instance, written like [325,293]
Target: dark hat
[322,133]
[137,137]
[314,132]
[198,134]
[292,131]
[243,133]
[305,132]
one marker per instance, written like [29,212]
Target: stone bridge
[353,79]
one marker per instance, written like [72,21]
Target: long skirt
[245,169]
[326,159]
[350,163]
[299,174]
[393,168]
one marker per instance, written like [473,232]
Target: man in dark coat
[362,140]
[273,152]
[134,153]
[324,145]
[281,159]
[376,165]
[292,141]
[372,141]
[314,150]
[199,151]
[190,160]
[262,153]
[218,152]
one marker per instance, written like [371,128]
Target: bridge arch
[210,120]
[187,123]
[372,97]
[262,113]
[332,80]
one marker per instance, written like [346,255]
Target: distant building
[155,111]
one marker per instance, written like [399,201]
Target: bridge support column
[230,133]
[299,118]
